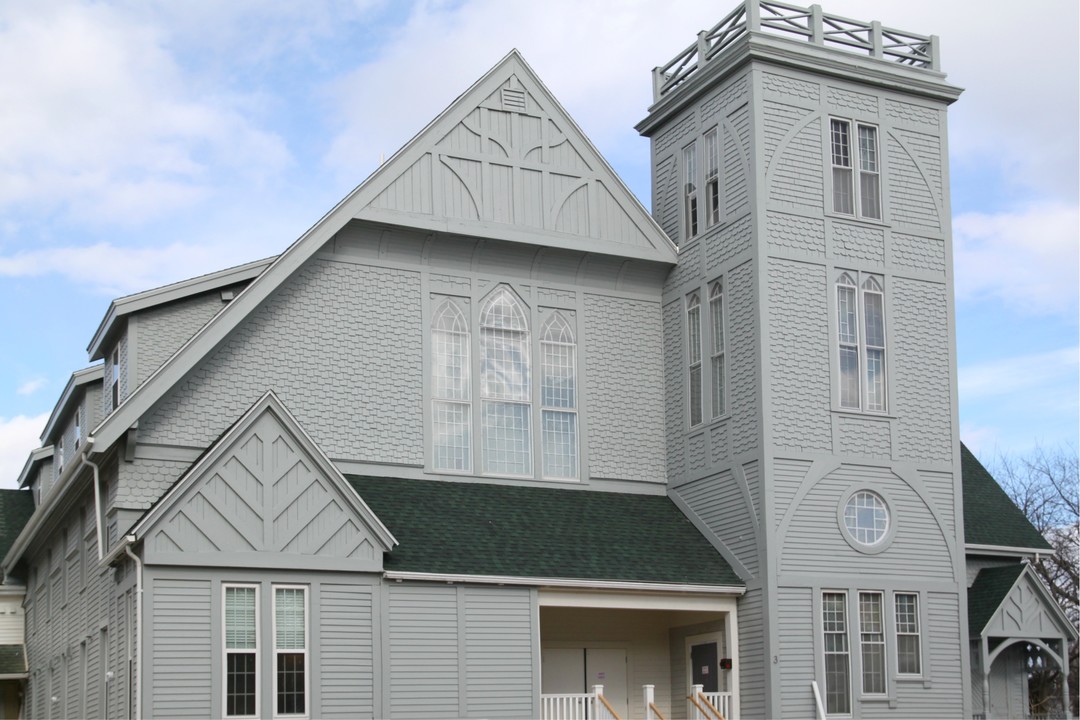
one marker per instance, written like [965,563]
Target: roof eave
[1006,550]
[583,583]
[77,379]
[36,455]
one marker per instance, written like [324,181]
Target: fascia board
[77,379]
[1006,550]
[567,583]
[268,402]
[169,293]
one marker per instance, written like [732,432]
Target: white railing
[576,706]
[809,24]
[703,705]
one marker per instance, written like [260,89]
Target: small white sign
[704,669]
[601,676]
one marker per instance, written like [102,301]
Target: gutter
[129,540]
[568,582]
[1007,550]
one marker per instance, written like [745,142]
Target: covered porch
[1017,633]
[638,655]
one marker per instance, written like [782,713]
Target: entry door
[607,667]
[705,666]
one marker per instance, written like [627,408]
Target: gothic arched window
[558,398]
[451,406]
[505,388]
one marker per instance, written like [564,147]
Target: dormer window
[60,456]
[115,385]
[846,159]
[78,427]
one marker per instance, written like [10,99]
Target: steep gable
[990,517]
[505,161]
[1012,602]
[264,495]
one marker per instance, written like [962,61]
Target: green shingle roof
[12,660]
[458,528]
[990,517]
[16,507]
[986,593]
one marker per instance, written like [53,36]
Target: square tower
[800,163]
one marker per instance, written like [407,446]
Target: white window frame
[853,532]
[693,360]
[855,166]
[846,652]
[59,453]
[690,191]
[873,642]
[718,331]
[225,650]
[115,386]
[917,633]
[568,341]
[489,400]
[713,198]
[305,652]
[78,426]
[868,289]
[438,400]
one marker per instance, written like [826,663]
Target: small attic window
[78,427]
[513,100]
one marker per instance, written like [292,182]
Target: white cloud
[109,126]
[1020,374]
[18,436]
[1027,258]
[31,386]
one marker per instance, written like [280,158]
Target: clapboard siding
[347,668]
[499,653]
[721,504]
[424,651]
[794,621]
[182,650]
[752,654]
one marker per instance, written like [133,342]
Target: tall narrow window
[241,650]
[558,398]
[693,335]
[78,427]
[690,189]
[115,389]
[837,655]
[290,650]
[505,385]
[450,392]
[59,457]
[872,642]
[867,203]
[908,650]
[861,345]
[848,329]
[719,377]
[712,177]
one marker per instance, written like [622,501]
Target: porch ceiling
[458,528]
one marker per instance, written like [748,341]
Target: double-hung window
[290,651]
[908,643]
[693,333]
[115,383]
[241,650]
[855,162]
[872,642]
[837,654]
[690,197]
[861,345]
[712,177]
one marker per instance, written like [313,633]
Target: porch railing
[577,706]
[709,705]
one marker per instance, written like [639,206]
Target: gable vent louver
[513,100]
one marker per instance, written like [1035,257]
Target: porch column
[1065,678]
[986,676]
[731,634]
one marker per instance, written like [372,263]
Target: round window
[866,518]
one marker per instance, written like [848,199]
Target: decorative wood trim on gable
[264,495]
[1028,610]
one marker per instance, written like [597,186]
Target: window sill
[833,215]
[864,414]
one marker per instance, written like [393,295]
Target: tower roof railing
[805,23]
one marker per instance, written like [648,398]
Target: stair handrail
[607,705]
[703,704]
[817,699]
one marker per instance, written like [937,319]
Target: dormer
[77,410]
[37,473]
[139,332]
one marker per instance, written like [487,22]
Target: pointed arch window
[451,406]
[719,369]
[861,344]
[558,398]
[505,385]
[693,333]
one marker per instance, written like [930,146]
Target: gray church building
[492,440]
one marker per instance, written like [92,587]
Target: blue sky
[142,142]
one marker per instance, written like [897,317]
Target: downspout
[130,539]
[85,458]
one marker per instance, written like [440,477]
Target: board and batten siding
[456,651]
